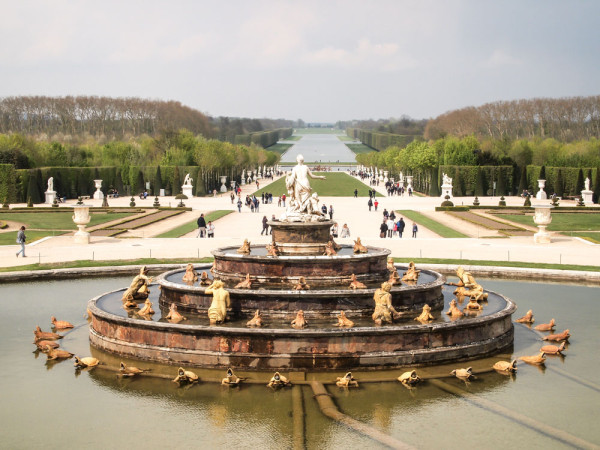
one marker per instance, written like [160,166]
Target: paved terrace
[233,228]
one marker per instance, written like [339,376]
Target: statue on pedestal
[303,204]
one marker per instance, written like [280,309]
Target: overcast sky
[314,60]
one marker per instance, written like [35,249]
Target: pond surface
[319,148]
[50,405]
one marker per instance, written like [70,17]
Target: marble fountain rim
[220,252]
[470,322]
[162,281]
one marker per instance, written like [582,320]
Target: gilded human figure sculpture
[384,311]
[190,276]
[217,313]
[467,286]
[297,183]
[411,274]
[245,248]
[390,265]
[138,289]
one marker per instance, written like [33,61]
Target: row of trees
[564,119]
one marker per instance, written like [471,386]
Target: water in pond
[50,405]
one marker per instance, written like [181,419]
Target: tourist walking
[383,229]
[415,229]
[232,197]
[210,230]
[345,231]
[401,226]
[330,212]
[370,203]
[334,230]
[390,226]
[355,193]
[376,204]
[21,238]
[265,228]
[201,226]
[239,205]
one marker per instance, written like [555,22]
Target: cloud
[500,58]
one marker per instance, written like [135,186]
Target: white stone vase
[542,218]
[98,195]
[81,217]
[223,180]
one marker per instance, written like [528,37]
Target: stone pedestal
[161,193]
[187,190]
[542,218]
[98,195]
[587,197]
[446,190]
[409,179]
[81,217]
[223,181]
[50,196]
[541,194]
[301,238]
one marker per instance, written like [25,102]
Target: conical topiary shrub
[29,202]
[447,201]
[502,201]
[156,203]
[132,202]
[476,201]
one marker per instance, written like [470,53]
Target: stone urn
[541,194]
[81,217]
[542,218]
[223,180]
[409,179]
[98,195]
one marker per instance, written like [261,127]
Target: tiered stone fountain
[300,240]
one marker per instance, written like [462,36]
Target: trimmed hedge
[8,183]
[263,138]
[378,140]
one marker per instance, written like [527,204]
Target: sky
[319,61]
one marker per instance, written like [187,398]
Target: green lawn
[345,138]
[359,148]
[561,221]
[337,184]
[590,235]
[10,238]
[318,131]
[58,220]
[279,148]
[193,225]
[292,138]
[433,225]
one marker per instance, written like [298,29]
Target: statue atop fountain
[303,203]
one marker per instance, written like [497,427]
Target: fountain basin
[322,348]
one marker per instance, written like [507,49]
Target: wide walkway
[233,228]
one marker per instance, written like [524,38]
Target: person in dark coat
[265,228]
[201,226]
[401,226]
[383,229]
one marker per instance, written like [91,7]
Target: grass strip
[345,138]
[561,222]
[147,261]
[436,227]
[292,138]
[96,263]
[279,148]
[60,220]
[476,262]
[186,228]
[591,236]
[337,184]
[359,148]
[10,238]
